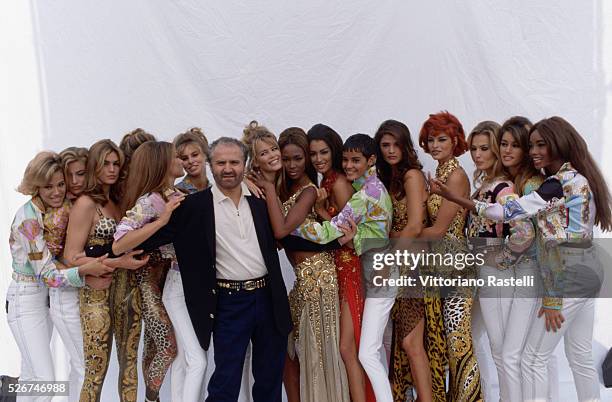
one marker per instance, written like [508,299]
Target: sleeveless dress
[115,310]
[453,311]
[406,314]
[315,337]
[350,280]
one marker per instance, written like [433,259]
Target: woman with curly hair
[449,310]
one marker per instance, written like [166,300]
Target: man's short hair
[361,143]
[228,141]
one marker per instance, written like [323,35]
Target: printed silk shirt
[147,209]
[564,209]
[36,241]
[370,208]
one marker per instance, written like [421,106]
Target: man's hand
[128,261]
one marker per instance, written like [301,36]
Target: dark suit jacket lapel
[260,213]
[209,213]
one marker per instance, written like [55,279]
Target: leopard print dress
[453,312]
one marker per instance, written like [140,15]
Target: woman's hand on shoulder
[172,204]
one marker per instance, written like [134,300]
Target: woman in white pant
[487,236]
[506,310]
[571,200]
[36,241]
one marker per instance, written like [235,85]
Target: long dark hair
[297,137]
[332,139]
[565,144]
[518,127]
[394,179]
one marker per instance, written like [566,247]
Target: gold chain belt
[250,284]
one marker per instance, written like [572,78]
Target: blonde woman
[74,164]
[36,242]
[192,148]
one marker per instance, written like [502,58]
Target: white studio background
[73,72]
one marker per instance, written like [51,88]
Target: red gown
[350,280]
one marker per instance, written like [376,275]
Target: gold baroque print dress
[115,310]
[315,337]
[454,310]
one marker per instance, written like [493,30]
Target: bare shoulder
[84,203]
[458,177]
[341,182]
[414,176]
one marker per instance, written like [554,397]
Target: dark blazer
[192,231]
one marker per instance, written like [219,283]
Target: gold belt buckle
[250,285]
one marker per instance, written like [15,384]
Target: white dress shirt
[238,254]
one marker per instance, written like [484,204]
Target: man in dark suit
[231,277]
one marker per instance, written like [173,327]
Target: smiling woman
[192,148]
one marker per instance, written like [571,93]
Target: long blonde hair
[490,129]
[252,135]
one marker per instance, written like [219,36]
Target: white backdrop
[74,71]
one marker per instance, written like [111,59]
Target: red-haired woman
[572,199]
[442,137]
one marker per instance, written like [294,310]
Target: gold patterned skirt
[315,338]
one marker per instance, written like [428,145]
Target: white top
[239,257]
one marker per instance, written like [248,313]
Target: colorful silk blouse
[564,209]
[518,234]
[147,209]
[370,207]
[36,241]
[187,186]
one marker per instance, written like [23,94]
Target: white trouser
[65,315]
[507,321]
[189,366]
[189,370]
[495,308]
[28,318]
[582,273]
[577,333]
[372,354]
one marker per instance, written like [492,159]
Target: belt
[19,277]
[248,285]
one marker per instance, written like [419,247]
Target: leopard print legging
[159,340]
